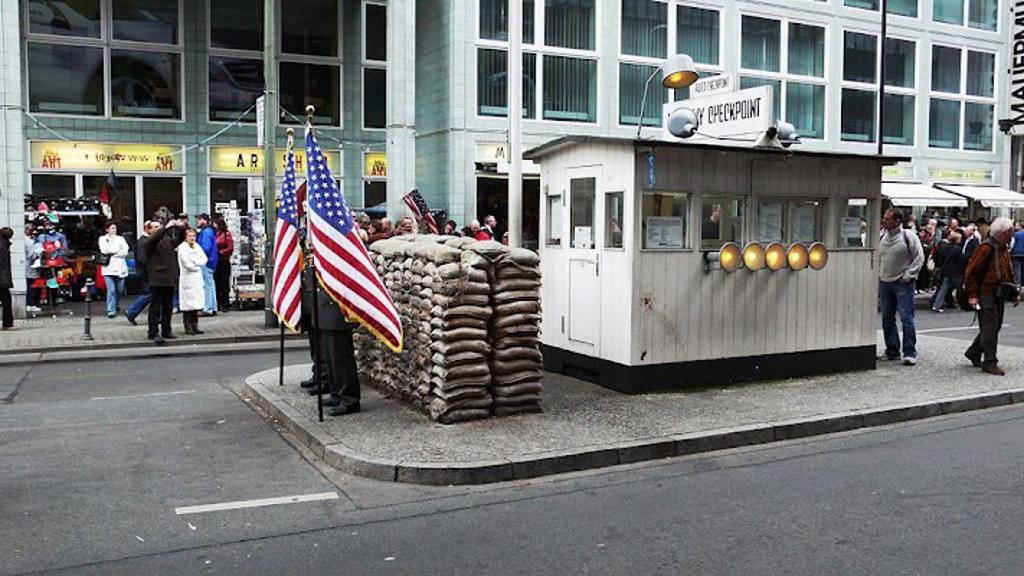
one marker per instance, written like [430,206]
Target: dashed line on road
[130,396]
[255,503]
[953,329]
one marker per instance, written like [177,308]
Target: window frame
[962,98]
[860,11]
[550,242]
[743,204]
[687,222]
[890,89]
[966,20]
[841,203]
[367,64]
[107,44]
[783,76]
[605,213]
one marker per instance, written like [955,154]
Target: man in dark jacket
[6,278]
[308,293]
[987,270]
[949,262]
[337,357]
[161,259]
[140,266]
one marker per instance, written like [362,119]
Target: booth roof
[565,142]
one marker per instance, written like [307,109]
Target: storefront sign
[712,85]
[1016,82]
[744,113]
[897,171]
[490,153]
[100,157]
[249,161]
[375,165]
[947,175]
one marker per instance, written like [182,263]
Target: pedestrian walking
[162,274]
[114,263]
[191,288]
[1017,254]
[948,264]
[208,242]
[33,254]
[222,276]
[900,258]
[990,285]
[140,267]
[6,279]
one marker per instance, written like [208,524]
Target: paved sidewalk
[584,426]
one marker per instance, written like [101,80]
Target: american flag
[287,288]
[414,200]
[342,264]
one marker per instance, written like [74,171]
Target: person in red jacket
[222,275]
[477,232]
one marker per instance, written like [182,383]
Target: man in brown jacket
[988,267]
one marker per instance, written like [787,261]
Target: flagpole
[270,121]
[318,359]
[280,371]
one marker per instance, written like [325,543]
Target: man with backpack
[900,258]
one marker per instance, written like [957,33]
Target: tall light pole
[270,116]
[515,122]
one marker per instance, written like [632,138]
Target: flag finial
[310,109]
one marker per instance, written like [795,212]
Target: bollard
[88,309]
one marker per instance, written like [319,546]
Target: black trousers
[337,355]
[161,307]
[222,281]
[8,312]
[990,320]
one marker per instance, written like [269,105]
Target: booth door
[584,265]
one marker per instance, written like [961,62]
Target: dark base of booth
[701,373]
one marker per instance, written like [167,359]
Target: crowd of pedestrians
[372,230]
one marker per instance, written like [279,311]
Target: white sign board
[741,114]
[1016,83]
[712,85]
[663,232]
[261,105]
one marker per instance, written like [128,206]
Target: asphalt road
[958,324]
[97,458]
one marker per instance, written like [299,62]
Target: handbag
[103,259]
[1006,291]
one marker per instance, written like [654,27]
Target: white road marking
[954,329]
[142,395]
[255,503]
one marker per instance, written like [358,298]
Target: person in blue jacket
[1017,253]
[207,240]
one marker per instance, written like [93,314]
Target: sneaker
[131,319]
[910,361]
[939,310]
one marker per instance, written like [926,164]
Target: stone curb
[343,458]
[97,346]
[201,348]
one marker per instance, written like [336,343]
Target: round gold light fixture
[817,256]
[753,256]
[775,256]
[797,257]
[730,257]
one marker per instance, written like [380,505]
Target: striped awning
[915,194]
[988,196]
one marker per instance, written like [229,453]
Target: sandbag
[461,286]
[524,257]
[460,359]
[532,387]
[458,346]
[460,322]
[461,300]
[451,384]
[517,307]
[462,393]
[479,370]
[515,320]
[516,284]
[513,366]
[516,377]
[516,330]
[483,312]
[514,296]
[511,272]
[457,416]
[516,400]
[518,353]
[511,342]
[449,271]
[459,242]
[489,249]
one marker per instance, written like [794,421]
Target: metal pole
[515,123]
[643,103]
[270,117]
[318,358]
[280,371]
[881,79]
[88,309]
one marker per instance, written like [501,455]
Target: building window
[236,24]
[491,89]
[65,79]
[581,212]
[553,214]
[570,89]
[644,28]
[721,221]
[614,211]
[46,186]
[319,85]
[944,124]
[900,58]
[898,7]
[858,116]
[494,20]
[982,14]
[859,108]
[664,220]
[152,21]
[375,94]
[310,27]
[962,106]
[860,53]
[161,192]
[760,44]
[122,203]
[145,84]
[853,224]
[632,78]
[80,18]
[235,84]
[374,192]
[898,125]
[225,191]
[375,39]
[697,34]
[570,24]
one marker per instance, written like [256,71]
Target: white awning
[989,196]
[913,194]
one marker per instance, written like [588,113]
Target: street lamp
[677,72]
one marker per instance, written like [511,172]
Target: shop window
[235,84]
[310,27]
[644,28]
[316,84]
[374,192]
[631,91]
[942,133]
[375,95]
[236,24]
[948,11]
[945,69]
[494,20]
[760,44]
[853,224]
[614,212]
[570,89]
[553,235]
[899,63]
[859,54]
[858,116]
[225,191]
[375,39]
[664,218]
[491,89]
[46,186]
[581,212]
[978,126]
[697,31]
[68,18]
[570,24]
[161,193]
[153,21]
[145,84]
[65,79]
[898,125]
[771,220]
[804,224]
[721,222]
[122,203]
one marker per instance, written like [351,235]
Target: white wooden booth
[631,300]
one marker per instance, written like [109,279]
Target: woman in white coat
[191,295]
[115,270]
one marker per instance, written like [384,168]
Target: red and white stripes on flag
[343,266]
[286,295]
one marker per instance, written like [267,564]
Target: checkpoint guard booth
[672,265]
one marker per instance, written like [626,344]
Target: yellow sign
[944,175]
[375,165]
[97,156]
[242,160]
[897,171]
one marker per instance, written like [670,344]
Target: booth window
[805,221]
[721,221]
[771,220]
[664,220]
[790,221]
[614,211]
[581,212]
[553,236]
[853,224]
